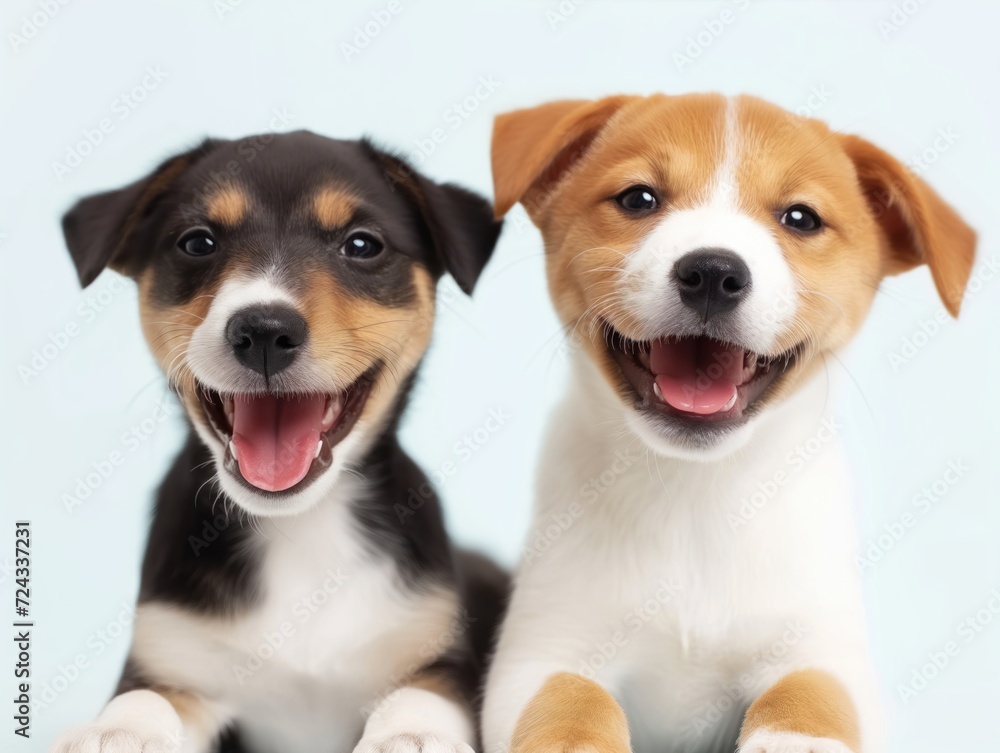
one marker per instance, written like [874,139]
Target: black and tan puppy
[287,289]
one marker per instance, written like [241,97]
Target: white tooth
[732,401]
[319,446]
[657,391]
[332,411]
[232,450]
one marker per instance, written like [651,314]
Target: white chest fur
[333,632]
[690,586]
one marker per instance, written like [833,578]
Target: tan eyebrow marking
[228,206]
[333,207]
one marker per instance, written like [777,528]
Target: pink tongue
[276,438]
[696,375]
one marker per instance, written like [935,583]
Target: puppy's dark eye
[197,243]
[362,246]
[802,218]
[638,200]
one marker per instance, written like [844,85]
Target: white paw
[95,739]
[405,742]
[789,742]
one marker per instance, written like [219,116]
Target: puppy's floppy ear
[917,224]
[459,223]
[532,148]
[463,228]
[99,229]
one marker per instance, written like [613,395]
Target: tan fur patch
[228,206]
[785,159]
[200,724]
[571,714]
[809,702]
[168,333]
[672,144]
[436,682]
[440,683]
[349,334]
[333,208]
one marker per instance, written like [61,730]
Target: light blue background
[228,71]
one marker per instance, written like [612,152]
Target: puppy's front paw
[411,743]
[790,742]
[95,739]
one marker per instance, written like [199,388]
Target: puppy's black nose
[266,338]
[712,281]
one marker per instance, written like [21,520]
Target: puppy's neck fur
[703,523]
[216,569]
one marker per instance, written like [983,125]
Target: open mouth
[281,442]
[699,379]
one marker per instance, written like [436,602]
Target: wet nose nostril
[692,280]
[733,284]
[266,338]
[712,281]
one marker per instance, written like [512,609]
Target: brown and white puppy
[706,253]
[287,289]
